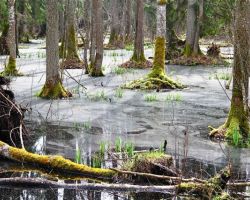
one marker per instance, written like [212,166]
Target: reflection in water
[61,194]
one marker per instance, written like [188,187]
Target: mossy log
[157,78]
[206,189]
[54,91]
[52,162]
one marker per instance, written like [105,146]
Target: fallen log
[53,162]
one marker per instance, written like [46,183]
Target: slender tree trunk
[97,11]
[128,19]
[198,28]
[11,41]
[93,36]
[4,50]
[138,55]
[87,27]
[115,37]
[193,27]
[71,39]
[53,86]
[23,34]
[160,43]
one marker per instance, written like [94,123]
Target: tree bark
[138,55]
[236,129]
[11,41]
[97,12]
[71,36]
[128,19]
[87,26]
[115,40]
[194,21]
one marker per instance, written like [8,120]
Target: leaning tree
[53,87]
[236,128]
[157,78]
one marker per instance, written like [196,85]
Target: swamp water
[103,114]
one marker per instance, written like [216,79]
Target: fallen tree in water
[205,188]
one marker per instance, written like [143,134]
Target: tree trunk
[97,12]
[71,39]
[198,28]
[236,129]
[193,27]
[87,26]
[138,55]
[53,87]
[93,36]
[10,69]
[128,19]
[115,39]
[23,34]
[160,43]
[4,49]
[174,44]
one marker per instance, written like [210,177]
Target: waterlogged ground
[102,113]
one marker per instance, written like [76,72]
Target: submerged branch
[43,183]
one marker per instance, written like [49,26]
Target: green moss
[54,91]
[188,50]
[55,163]
[159,58]
[71,48]
[10,69]
[138,58]
[96,72]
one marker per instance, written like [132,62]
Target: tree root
[233,131]
[217,133]
[10,69]
[54,92]
[152,83]
[72,64]
[137,65]
[198,60]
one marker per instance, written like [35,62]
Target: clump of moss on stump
[157,78]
